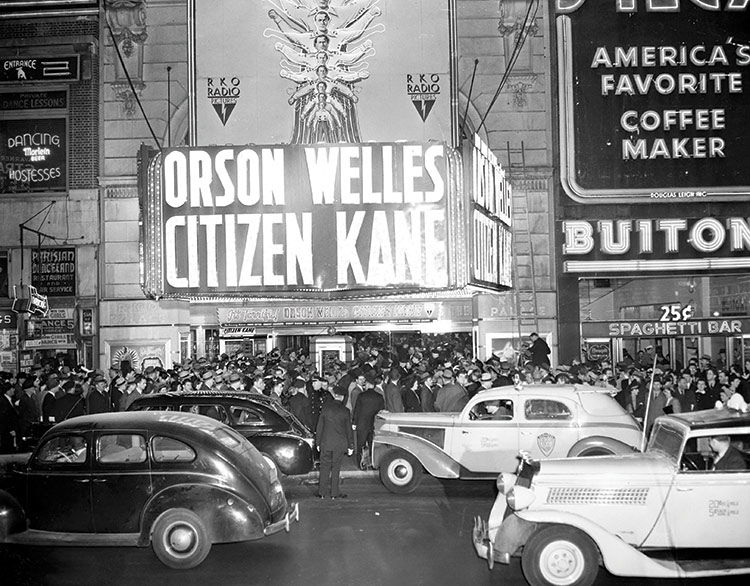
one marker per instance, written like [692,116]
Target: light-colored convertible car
[678,510]
[545,421]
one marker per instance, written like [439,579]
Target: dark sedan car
[178,481]
[268,426]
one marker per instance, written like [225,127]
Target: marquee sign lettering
[657,112]
[650,329]
[491,196]
[638,245]
[285,218]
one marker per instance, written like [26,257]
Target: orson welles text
[308,218]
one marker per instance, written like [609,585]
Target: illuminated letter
[697,233]
[739,233]
[349,172]
[321,167]
[380,263]
[578,237]
[645,230]
[411,173]
[671,229]
[227,197]
[607,242]
[408,245]
[299,249]
[271,249]
[170,251]
[346,248]
[200,179]
[230,250]
[175,179]
[210,222]
[248,177]
[432,153]
[273,177]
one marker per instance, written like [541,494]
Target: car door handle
[81,480]
[465,432]
[100,480]
[684,489]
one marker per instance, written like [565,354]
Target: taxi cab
[546,421]
[678,510]
[176,481]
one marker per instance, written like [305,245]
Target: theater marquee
[293,219]
[653,100]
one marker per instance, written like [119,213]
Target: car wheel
[400,472]
[560,556]
[179,539]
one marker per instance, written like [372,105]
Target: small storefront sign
[53,271]
[651,329]
[49,68]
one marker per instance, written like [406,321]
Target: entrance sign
[654,100]
[283,219]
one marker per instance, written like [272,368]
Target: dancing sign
[309,71]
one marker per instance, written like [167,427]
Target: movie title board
[654,100]
[281,218]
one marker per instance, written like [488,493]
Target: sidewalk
[348,469]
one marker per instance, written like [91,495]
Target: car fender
[291,454]
[434,460]
[618,557]
[613,445]
[12,516]
[228,517]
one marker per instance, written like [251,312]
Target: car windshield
[666,440]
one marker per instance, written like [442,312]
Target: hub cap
[181,539]
[561,563]
[400,472]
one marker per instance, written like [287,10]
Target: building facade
[49,194]
[168,38]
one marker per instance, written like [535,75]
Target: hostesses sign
[282,219]
[654,100]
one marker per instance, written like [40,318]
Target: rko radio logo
[223,93]
[423,89]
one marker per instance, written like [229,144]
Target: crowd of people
[407,377]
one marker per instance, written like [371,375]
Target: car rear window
[168,449]
[543,409]
[118,448]
[600,403]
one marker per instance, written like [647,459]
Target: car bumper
[484,546]
[284,524]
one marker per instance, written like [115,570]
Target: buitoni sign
[293,218]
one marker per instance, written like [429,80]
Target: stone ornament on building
[511,27]
[127,19]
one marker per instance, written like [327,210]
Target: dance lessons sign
[654,100]
[233,221]
[308,71]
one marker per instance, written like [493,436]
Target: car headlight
[520,497]
[505,482]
